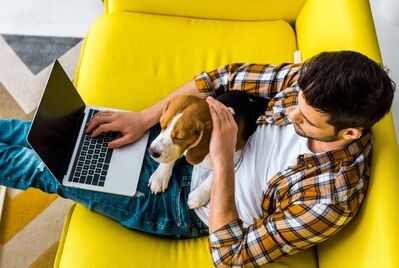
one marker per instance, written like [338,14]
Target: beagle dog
[186,127]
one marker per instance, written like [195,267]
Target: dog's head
[186,126]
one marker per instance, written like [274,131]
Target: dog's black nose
[154,153]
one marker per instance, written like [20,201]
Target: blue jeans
[164,214]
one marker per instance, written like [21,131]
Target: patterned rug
[31,221]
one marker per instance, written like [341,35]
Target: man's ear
[351,133]
[200,148]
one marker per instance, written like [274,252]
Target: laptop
[75,159]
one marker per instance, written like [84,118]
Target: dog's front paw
[157,184]
[159,180]
[199,197]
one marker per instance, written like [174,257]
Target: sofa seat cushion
[92,240]
[132,60]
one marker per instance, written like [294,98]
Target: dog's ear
[200,148]
[163,111]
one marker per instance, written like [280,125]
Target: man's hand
[222,146]
[131,125]
[224,135]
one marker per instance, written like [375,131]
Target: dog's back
[247,109]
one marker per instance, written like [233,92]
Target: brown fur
[192,132]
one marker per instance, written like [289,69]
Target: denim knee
[21,168]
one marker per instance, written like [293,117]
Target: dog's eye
[178,138]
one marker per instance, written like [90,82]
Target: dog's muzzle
[153,153]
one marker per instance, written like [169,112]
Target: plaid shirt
[303,204]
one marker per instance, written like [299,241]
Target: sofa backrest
[250,10]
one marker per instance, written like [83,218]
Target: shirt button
[310,165]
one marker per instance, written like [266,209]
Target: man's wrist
[223,167]
[222,207]
[223,161]
[150,118]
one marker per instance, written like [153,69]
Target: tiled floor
[32,35]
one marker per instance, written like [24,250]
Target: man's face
[310,123]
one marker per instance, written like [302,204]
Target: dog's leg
[201,195]
[207,162]
[160,178]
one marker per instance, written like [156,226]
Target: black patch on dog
[247,108]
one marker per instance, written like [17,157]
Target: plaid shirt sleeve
[264,80]
[278,83]
[299,226]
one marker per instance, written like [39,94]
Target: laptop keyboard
[93,157]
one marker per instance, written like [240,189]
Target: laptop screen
[58,118]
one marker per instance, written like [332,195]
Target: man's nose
[153,152]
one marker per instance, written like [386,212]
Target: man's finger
[96,121]
[218,104]
[222,113]
[119,142]
[104,112]
[102,129]
[220,109]
[215,117]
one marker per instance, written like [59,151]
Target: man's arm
[152,114]
[264,80]
[278,83]
[132,125]
[258,79]
[223,205]
[222,146]
[299,225]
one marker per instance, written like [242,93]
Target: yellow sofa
[139,51]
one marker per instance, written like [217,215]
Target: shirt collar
[360,145]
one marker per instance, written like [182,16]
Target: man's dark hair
[354,90]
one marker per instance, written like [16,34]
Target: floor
[32,35]
[70,18]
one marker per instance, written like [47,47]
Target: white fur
[160,178]
[201,195]
[164,144]
[169,154]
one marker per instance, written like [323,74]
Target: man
[303,175]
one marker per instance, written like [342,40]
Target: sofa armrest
[257,10]
[324,25]
[371,239]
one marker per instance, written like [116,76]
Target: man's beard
[323,139]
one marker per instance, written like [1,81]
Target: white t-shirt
[269,150]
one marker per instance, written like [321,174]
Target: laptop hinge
[81,112]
